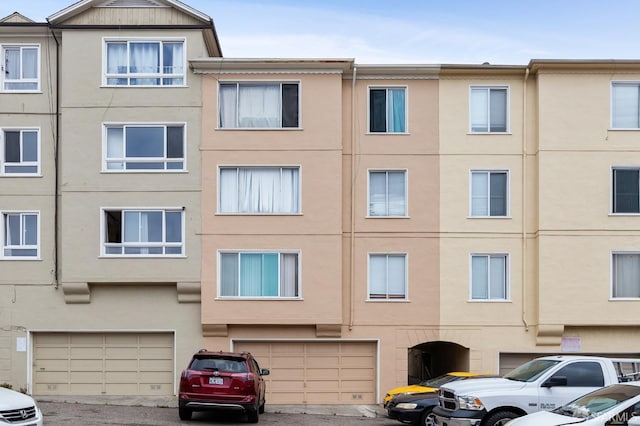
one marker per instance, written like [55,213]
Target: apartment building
[354,226]
[101,197]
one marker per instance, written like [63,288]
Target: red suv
[227,381]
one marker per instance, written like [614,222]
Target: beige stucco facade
[326,330]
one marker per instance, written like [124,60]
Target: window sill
[258,214]
[489,217]
[489,133]
[17,175]
[624,214]
[489,300]
[253,299]
[630,129]
[388,133]
[104,86]
[388,300]
[129,256]
[153,172]
[624,299]
[270,129]
[22,258]
[387,217]
[35,92]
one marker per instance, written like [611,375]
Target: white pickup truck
[541,384]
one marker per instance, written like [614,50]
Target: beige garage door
[317,372]
[103,364]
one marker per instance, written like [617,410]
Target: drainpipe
[56,144]
[524,200]
[352,253]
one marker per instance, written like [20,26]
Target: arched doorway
[431,359]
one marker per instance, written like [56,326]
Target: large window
[144,147]
[625,275]
[19,154]
[489,193]
[388,193]
[20,235]
[259,190]
[626,190]
[21,68]
[488,110]
[387,276]
[259,274]
[625,107]
[387,110]
[153,232]
[489,277]
[259,105]
[145,63]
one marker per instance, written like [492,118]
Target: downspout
[352,253]
[56,144]
[524,200]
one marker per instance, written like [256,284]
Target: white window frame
[507,284]
[4,163]
[123,245]
[613,83]
[161,76]
[406,194]
[3,59]
[488,88]
[239,83]
[259,166]
[388,299]
[279,252]
[507,194]
[124,159]
[406,108]
[612,273]
[3,230]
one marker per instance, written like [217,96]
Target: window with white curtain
[144,63]
[20,235]
[21,68]
[20,152]
[488,109]
[146,147]
[625,275]
[489,193]
[259,190]
[258,105]
[259,274]
[489,277]
[626,190]
[388,193]
[625,105]
[141,232]
[388,109]
[388,276]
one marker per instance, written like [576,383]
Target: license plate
[216,380]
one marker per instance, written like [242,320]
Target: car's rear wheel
[253,416]
[184,413]
[426,419]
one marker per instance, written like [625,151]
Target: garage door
[317,372]
[103,364]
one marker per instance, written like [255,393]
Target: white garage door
[103,364]
[317,372]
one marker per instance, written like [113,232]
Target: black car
[414,408]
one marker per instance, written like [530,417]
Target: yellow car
[431,385]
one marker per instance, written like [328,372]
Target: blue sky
[412,31]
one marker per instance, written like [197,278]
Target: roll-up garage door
[317,372]
[103,364]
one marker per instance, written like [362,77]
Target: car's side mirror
[264,372]
[555,381]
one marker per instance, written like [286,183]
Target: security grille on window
[19,154]
[145,63]
[21,68]
[259,274]
[625,275]
[145,147]
[387,193]
[387,110]
[488,109]
[387,276]
[260,190]
[143,232]
[626,190]
[625,107]
[489,193]
[489,277]
[20,235]
[258,105]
